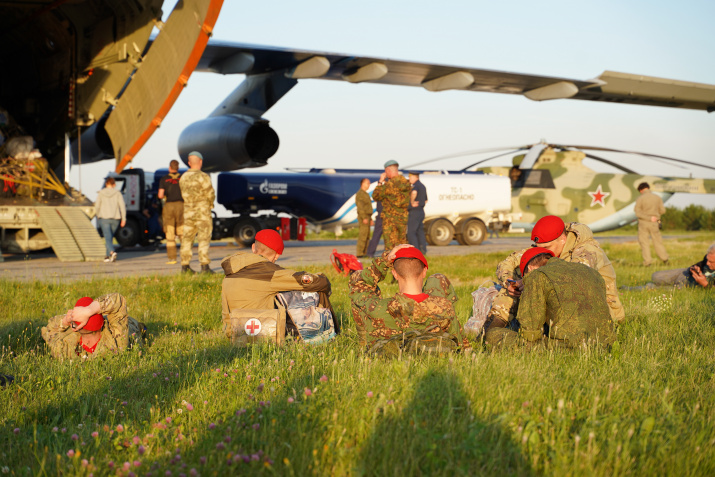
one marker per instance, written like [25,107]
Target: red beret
[411,252]
[95,321]
[547,229]
[529,254]
[271,239]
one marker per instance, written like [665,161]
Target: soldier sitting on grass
[563,305]
[85,332]
[423,306]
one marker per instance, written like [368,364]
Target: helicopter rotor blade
[466,153]
[645,154]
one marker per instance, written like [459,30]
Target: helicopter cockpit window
[535,179]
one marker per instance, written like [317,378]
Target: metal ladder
[72,235]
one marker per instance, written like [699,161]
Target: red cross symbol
[252,327]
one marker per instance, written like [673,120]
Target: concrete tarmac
[139,261]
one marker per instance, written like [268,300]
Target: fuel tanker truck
[461,205]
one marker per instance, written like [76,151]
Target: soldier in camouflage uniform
[563,305]
[84,332]
[199,196]
[415,307]
[363,203]
[572,242]
[393,190]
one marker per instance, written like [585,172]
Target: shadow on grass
[437,434]
[106,399]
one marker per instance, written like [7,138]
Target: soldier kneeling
[85,332]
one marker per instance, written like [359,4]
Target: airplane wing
[613,87]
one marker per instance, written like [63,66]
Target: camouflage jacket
[118,328]
[580,247]
[648,205]
[395,197]
[570,299]
[196,190]
[387,317]
[508,269]
[363,204]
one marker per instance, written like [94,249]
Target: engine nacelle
[229,142]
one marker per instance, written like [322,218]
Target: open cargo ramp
[72,235]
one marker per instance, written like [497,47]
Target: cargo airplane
[89,69]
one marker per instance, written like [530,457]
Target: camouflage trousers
[196,222]
[394,231]
[173,215]
[502,313]
[359,318]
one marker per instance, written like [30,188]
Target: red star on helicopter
[598,197]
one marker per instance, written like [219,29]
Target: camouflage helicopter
[551,179]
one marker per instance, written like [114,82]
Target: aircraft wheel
[130,234]
[441,232]
[473,232]
[244,232]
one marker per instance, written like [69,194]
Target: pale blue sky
[335,124]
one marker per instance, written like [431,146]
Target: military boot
[187,269]
[206,269]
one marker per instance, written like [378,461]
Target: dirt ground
[152,261]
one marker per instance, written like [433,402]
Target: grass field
[190,404]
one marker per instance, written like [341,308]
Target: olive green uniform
[395,197]
[570,298]
[377,317]
[199,196]
[120,331]
[650,205]
[580,247]
[363,204]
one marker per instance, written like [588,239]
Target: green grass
[646,408]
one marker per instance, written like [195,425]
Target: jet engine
[229,142]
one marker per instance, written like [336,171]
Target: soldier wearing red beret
[420,304]
[572,242]
[93,328]
[253,280]
[563,305]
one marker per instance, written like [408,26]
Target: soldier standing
[377,231]
[173,212]
[416,213]
[649,207]
[364,213]
[393,190]
[199,196]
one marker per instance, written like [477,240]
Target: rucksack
[345,263]
[416,342]
[482,303]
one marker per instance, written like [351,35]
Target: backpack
[416,342]
[482,303]
[313,323]
[345,263]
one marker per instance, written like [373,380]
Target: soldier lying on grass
[85,332]
[415,307]
[563,305]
